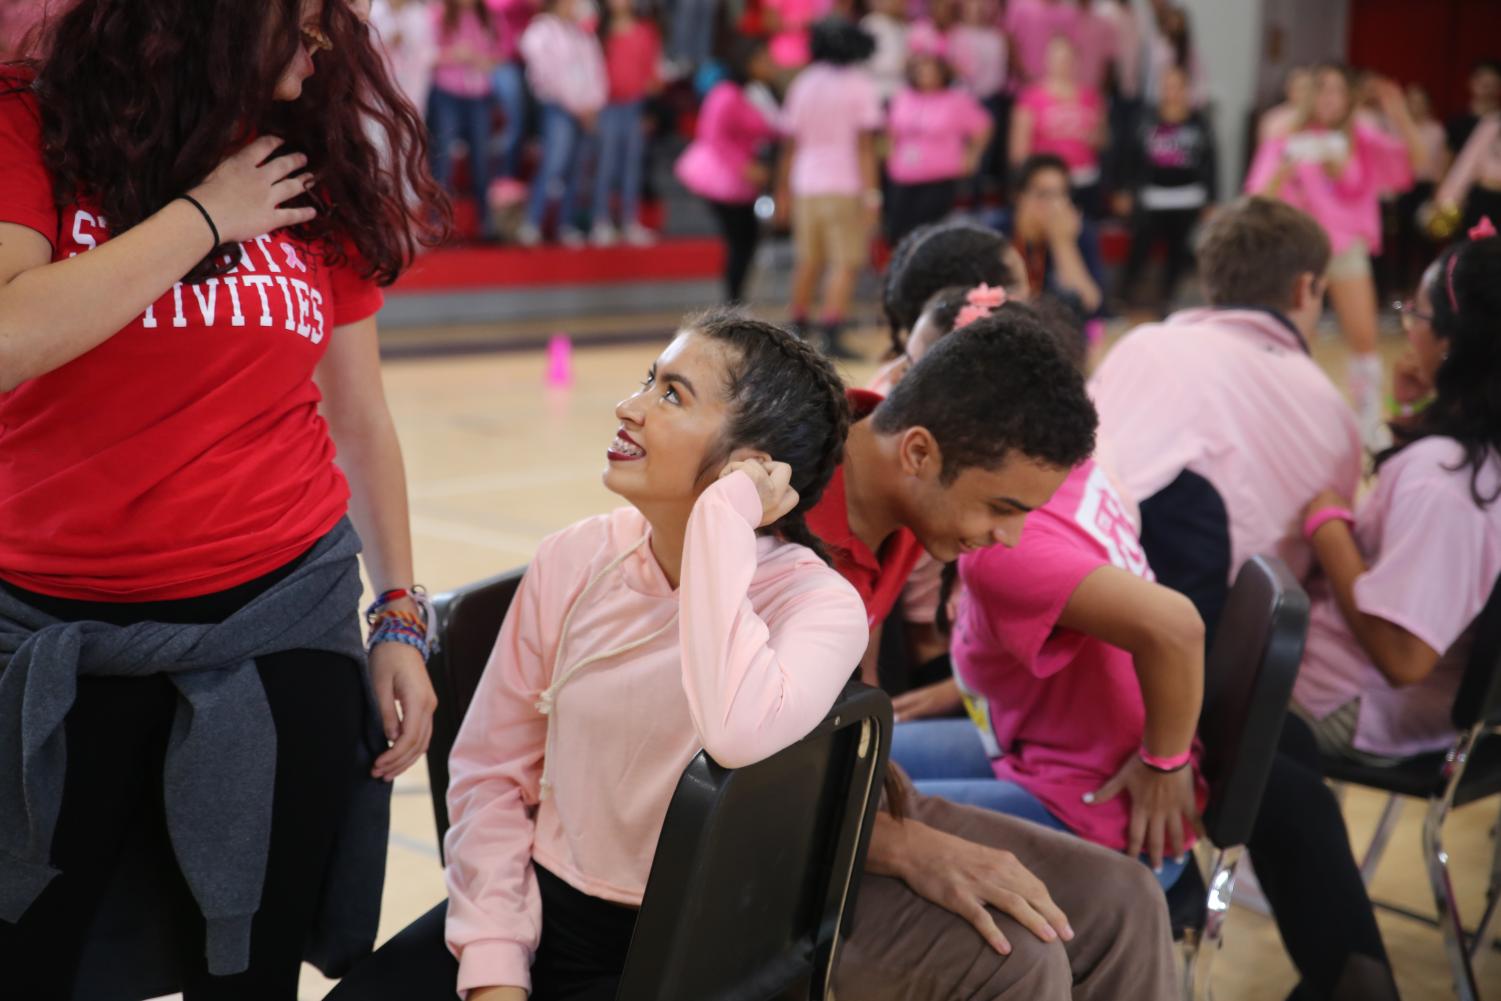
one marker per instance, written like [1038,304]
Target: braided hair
[1465,286]
[785,399]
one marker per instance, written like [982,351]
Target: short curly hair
[1006,387]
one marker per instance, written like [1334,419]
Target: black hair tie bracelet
[206,218]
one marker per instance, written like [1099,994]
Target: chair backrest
[468,622]
[1248,681]
[1479,697]
[757,866]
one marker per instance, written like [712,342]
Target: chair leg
[1390,814]
[1437,861]
[1200,955]
[1492,897]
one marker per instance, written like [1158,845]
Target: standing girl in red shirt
[632,50]
[194,225]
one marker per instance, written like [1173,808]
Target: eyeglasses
[1409,313]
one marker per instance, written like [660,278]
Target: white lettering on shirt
[237,318]
[291,320]
[206,307]
[260,282]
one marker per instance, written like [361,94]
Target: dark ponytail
[786,400]
[1465,287]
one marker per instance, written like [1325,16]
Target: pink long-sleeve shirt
[1348,207]
[565,65]
[742,660]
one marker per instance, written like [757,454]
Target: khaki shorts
[1352,262]
[830,229]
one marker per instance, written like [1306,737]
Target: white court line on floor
[487,483]
[453,531]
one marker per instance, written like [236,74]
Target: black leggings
[112,826]
[1172,227]
[580,958]
[741,231]
[1301,851]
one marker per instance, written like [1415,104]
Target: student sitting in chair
[701,616]
[1083,677]
[1218,421]
[980,431]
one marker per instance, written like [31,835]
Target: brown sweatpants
[904,948]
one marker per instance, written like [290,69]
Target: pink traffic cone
[559,361]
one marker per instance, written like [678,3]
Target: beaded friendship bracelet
[394,625]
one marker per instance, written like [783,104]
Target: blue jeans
[693,30]
[451,117]
[558,173]
[508,84]
[622,150]
[944,757]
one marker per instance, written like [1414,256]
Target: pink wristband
[1157,764]
[1324,515]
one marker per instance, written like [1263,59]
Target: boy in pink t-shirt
[1082,676]
[827,175]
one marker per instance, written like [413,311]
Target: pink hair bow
[1483,229]
[979,302]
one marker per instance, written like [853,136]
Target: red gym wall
[1431,42]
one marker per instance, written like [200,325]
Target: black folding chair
[1469,771]
[756,868]
[1248,681]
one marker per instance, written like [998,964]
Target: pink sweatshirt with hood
[603,685]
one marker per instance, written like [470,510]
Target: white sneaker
[528,235]
[638,235]
[571,237]
[604,235]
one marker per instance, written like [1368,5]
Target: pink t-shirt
[459,76]
[631,61]
[1065,128]
[930,131]
[1433,556]
[1059,711]
[731,130]
[1231,395]
[827,109]
[1349,208]
[978,55]
[789,47]
[1032,24]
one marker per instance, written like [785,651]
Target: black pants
[1301,851]
[1171,227]
[580,958]
[914,205]
[741,231]
[112,825]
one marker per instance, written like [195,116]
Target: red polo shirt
[878,577]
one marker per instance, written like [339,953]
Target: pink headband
[1480,231]
[979,302]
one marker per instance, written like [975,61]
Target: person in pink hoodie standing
[702,616]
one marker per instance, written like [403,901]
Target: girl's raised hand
[244,195]
[773,482]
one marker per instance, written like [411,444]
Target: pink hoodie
[604,684]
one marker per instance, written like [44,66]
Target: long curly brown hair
[141,101]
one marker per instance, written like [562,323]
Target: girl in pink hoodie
[700,617]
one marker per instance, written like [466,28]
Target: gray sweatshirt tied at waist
[221,755]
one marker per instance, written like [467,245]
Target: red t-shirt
[631,62]
[879,579]
[185,454]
